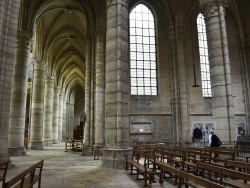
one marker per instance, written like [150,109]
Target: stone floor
[70,170]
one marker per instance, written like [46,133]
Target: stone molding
[113,2]
[23,38]
[39,64]
[210,7]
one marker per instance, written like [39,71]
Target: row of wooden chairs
[186,159]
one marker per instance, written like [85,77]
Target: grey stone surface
[72,170]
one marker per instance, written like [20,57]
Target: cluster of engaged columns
[19,95]
[117,85]
[48,108]
[222,98]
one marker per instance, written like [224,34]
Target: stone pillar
[245,55]
[117,85]
[183,93]
[71,119]
[60,117]
[222,99]
[86,137]
[64,123]
[36,117]
[68,120]
[9,14]
[55,115]
[174,89]
[48,111]
[99,91]
[19,96]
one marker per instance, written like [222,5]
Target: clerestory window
[204,62]
[142,52]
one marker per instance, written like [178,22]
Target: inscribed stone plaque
[141,128]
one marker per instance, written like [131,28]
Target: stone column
[19,96]
[117,85]
[183,93]
[68,120]
[60,117]
[9,17]
[174,89]
[55,115]
[99,91]
[64,123]
[245,55]
[87,101]
[71,119]
[48,111]
[36,117]
[222,99]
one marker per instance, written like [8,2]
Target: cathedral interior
[122,71]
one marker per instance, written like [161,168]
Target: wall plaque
[141,128]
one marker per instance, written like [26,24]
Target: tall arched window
[142,52]
[204,62]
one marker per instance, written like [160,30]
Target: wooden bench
[194,181]
[144,169]
[77,146]
[68,145]
[170,169]
[238,166]
[225,176]
[4,167]
[97,152]
[218,157]
[191,156]
[185,178]
[27,178]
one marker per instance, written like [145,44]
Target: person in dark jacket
[197,136]
[212,139]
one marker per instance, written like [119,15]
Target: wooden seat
[98,151]
[225,176]
[27,178]
[146,169]
[4,167]
[197,182]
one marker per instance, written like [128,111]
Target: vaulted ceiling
[63,29]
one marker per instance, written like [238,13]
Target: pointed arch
[204,62]
[143,70]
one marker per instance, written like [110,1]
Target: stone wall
[8,21]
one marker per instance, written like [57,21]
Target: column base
[55,141]
[5,156]
[87,151]
[36,145]
[15,151]
[114,158]
[47,143]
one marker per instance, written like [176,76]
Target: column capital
[49,79]
[57,89]
[209,7]
[23,38]
[39,64]
[113,2]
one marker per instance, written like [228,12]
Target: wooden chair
[98,151]
[4,166]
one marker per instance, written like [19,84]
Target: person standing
[197,135]
[213,139]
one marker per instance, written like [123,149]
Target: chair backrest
[237,165]
[200,181]
[4,165]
